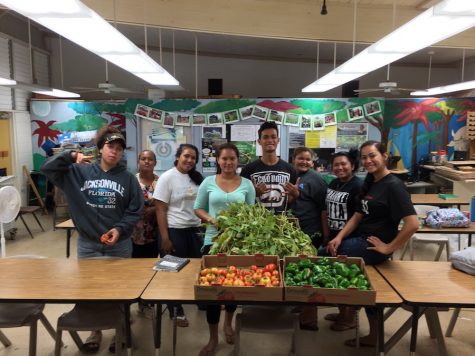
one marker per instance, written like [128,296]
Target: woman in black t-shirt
[341,200]
[372,232]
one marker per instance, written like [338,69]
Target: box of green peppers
[334,280]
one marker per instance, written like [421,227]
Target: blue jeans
[89,249]
[357,246]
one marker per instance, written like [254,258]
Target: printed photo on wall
[231,116]
[215,132]
[183,120]
[355,113]
[330,119]
[155,115]
[142,111]
[291,119]
[319,122]
[199,120]
[305,122]
[276,116]
[215,119]
[372,108]
[168,119]
[246,112]
[260,112]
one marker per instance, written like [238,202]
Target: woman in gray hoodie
[104,199]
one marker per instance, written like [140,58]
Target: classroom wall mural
[78,121]
[412,128]
[417,127]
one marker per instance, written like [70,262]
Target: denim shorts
[88,248]
[357,246]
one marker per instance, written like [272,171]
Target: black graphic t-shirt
[383,207]
[274,177]
[341,203]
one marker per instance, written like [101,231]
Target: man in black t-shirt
[269,173]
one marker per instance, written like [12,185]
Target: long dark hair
[368,181]
[351,155]
[225,146]
[195,176]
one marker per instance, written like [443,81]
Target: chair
[15,315]
[29,210]
[87,317]
[265,319]
[439,239]
[59,201]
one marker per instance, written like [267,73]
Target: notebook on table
[169,263]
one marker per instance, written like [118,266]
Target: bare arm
[204,216]
[409,227]
[161,211]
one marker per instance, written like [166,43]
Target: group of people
[146,215]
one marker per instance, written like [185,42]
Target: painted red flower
[119,121]
[44,132]
[415,111]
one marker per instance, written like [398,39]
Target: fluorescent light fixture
[6,81]
[441,21]
[35,88]
[57,93]
[445,89]
[81,25]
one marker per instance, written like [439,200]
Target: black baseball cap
[114,137]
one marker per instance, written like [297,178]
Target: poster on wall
[328,137]
[351,135]
[244,132]
[164,143]
[208,153]
[296,137]
[214,132]
[247,152]
[355,113]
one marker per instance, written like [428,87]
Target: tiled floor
[191,339]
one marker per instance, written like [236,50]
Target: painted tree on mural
[448,109]
[45,132]
[415,112]
[316,106]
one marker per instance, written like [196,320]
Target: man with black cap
[105,200]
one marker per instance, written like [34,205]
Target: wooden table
[169,287]
[433,199]
[423,284]
[75,281]
[69,226]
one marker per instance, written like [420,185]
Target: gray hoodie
[98,201]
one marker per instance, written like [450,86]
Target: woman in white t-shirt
[175,196]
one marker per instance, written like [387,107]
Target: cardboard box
[330,295]
[256,293]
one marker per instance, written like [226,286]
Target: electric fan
[10,202]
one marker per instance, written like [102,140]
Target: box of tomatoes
[240,278]
[335,280]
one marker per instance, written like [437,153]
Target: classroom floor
[191,339]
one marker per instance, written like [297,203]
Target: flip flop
[92,344]
[352,343]
[332,317]
[342,326]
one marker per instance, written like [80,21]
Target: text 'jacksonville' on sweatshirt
[98,200]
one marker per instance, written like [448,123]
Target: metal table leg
[415,320]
